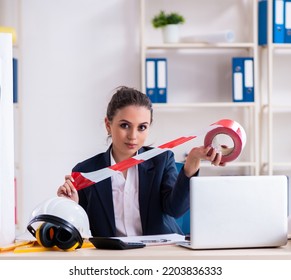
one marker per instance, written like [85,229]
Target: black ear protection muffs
[55,231]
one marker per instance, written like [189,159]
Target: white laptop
[238,212]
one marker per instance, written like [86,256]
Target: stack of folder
[281,21]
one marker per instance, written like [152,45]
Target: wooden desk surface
[165,252]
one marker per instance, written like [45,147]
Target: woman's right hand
[68,190]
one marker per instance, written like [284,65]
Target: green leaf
[162,19]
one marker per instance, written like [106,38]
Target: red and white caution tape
[225,126]
[232,129]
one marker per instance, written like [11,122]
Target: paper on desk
[154,240]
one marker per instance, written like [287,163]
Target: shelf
[202,46]
[232,164]
[282,164]
[281,46]
[206,68]
[204,105]
[281,108]
[278,108]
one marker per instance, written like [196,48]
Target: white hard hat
[59,221]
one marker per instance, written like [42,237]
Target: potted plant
[169,24]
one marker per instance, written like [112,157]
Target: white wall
[73,53]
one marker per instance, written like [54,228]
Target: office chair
[183,221]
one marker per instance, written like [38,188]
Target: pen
[155,241]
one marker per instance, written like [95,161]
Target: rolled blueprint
[215,37]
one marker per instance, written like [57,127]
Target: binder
[237,79]
[287,37]
[156,79]
[15,80]
[161,80]
[248,94]
[262,22]
[278,21]
[151,79]
[243,79]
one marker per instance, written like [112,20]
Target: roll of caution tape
[223,127]
[232,130]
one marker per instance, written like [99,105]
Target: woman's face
[129,130]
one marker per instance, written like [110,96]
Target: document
[154,240]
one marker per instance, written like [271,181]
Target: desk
[165,252]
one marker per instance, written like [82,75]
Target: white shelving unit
[10,16]
[191,62]
[277,103]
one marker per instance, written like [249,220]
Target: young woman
[146,198]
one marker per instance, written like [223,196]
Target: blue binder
[161,65]
[278,21]
[151,79]
[287,37]
[156,79]
[262,22]
[15,80]
[243,79]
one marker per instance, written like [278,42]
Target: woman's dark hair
[125,96]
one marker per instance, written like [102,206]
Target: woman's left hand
[197,154]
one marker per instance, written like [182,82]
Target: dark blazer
[163,195]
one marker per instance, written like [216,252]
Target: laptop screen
[238,211]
